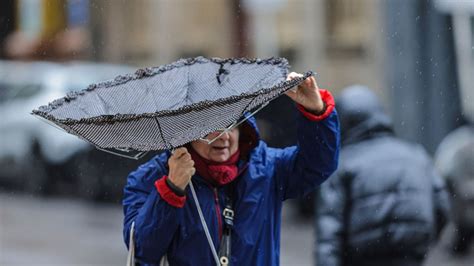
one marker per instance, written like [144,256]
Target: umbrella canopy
[168,106]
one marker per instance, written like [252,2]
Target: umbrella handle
[204,225]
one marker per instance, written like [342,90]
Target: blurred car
[454,159]
[39,157]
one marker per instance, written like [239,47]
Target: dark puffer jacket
[385,204]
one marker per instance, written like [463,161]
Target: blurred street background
[60,197]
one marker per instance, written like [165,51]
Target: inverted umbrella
[165,107]
[168,106]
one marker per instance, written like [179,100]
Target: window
[347,26]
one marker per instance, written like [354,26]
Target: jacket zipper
[218,213]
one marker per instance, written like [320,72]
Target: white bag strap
[131,246]
[131,249]
[164,261]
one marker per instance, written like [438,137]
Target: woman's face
[221,149]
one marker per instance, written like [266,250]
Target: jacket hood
[361,115]
[249,135]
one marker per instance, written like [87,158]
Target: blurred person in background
[385,204]
[454,159]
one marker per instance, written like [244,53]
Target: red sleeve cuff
[328,101]
[168,195]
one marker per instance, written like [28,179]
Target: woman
[236,174]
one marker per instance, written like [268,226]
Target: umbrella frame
[44,111]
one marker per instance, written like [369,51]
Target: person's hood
[361,115]
[249,135]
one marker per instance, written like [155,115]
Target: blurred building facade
[333,37]
[45,29]
[345,41]
[430,59]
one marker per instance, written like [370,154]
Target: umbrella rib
[138,100]
[186,99]
[238,122]
[161,134]
[84,110]
[153,98]
[235,91]
[106,106]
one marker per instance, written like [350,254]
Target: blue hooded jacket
[272,176]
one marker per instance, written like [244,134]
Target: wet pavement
[36,231]
[59,231]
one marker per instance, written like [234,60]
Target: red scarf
[216,173]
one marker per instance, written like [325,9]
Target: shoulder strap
[131,249]
[228,213]
[131,246]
